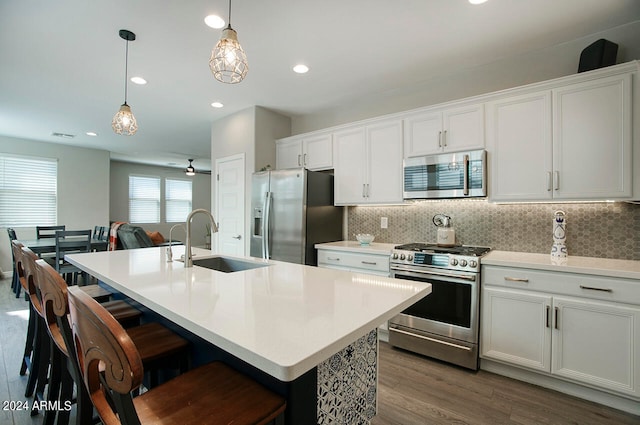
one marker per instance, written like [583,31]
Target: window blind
[177,200]
[144,199]
[28,191]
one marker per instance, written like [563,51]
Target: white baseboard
[576,390]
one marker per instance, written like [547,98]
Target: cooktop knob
[454,262]
[402,256]
[463,263]
[473,263]
[395,256]
[409,257]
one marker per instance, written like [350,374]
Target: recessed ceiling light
[91,133]
[217,105]
[477,1]
[138,80]
[301,69]
[214,21]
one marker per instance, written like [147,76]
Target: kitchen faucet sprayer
[188,257]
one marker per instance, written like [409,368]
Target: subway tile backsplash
[605,230]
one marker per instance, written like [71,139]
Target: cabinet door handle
[368,194]
[444,138]
[440,139]
[556,318]
[556,177]
[548,308]
[549,182]
[516,279]
[371,263]
[333,258]
[299,163]
[304,159]
[591,288]
[364,188]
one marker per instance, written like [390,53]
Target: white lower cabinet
[592,340]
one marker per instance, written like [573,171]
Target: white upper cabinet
[519,144]
[592,137]
[314,152]
[444,130]
[368,164]
[567,143]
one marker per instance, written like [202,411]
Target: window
[177,200]
[144,199]
[28,191]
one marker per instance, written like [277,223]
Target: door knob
[238,237]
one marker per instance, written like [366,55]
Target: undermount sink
[226,264]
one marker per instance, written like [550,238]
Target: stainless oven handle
[461,347]
[413,272]
[465,189]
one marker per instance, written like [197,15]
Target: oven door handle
[413,272]
[439,341]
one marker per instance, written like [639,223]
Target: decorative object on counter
[364,238]
[446,234]
[228,61]
[124,122]
[559,248]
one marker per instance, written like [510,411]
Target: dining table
[48,245]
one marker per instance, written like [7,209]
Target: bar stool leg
[28,344]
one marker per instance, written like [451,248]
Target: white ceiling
[62,62]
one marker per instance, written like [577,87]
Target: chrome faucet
[188,257]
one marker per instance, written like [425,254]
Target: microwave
[450,175]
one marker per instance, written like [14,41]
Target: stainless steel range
[444,324]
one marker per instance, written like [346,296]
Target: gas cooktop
[472,251]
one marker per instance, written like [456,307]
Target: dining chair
[111,367]
[15,282]
[71,242]
[43,232]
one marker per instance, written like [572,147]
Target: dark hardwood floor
[413,390]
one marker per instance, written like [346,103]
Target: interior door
[230,205]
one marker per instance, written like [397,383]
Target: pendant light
[124,122]
[228,61]
[190,171]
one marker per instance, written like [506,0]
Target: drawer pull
[516,279]
[333,258]
[371,263]
[591,288]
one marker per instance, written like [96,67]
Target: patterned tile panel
[347,383]
[605,230]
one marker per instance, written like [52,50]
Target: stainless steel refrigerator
[292,210]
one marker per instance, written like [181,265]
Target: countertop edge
[627,269]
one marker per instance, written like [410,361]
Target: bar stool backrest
[109,362]
[16,250]
[29,259]
[55,307]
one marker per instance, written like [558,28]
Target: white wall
[252,131]
[119,197]
[83,187]
[535,66]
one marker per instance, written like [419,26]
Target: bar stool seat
[111,368]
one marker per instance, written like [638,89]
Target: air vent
[63,135]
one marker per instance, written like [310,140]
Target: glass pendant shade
[228,61]
[124,122]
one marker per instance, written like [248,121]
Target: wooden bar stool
[162,348]
[25,364]
[111,369]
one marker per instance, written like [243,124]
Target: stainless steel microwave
[447,175]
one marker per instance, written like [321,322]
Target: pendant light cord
[126,70]
[229,23]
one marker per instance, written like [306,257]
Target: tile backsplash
[605,230]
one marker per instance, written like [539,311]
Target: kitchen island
[309,332]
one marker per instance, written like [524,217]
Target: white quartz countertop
[573,264]
[283,319]
[372,248]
